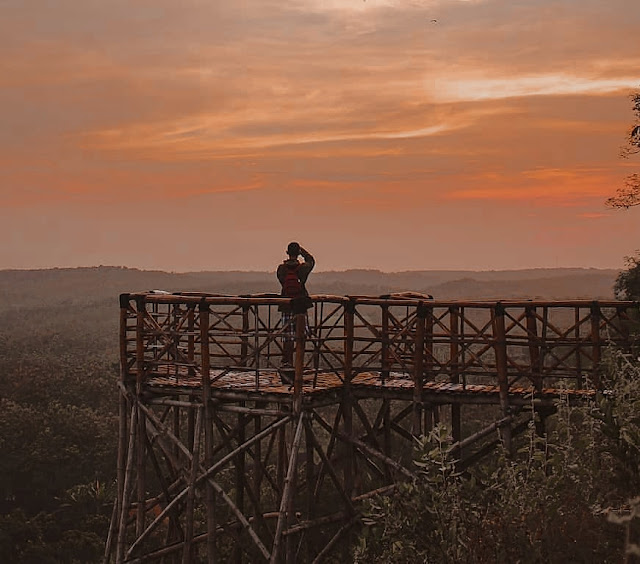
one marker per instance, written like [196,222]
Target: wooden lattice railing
[534,343]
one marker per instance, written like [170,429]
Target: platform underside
[267,383]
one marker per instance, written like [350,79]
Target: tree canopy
[629,195]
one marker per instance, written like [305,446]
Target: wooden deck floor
[268,382]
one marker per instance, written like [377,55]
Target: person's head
[293,249]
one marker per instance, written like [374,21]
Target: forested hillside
[59,365]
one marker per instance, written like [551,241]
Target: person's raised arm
[309,261]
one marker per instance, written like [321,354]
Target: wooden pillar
[286,501]
[240,477]
[347,409]
[534,347]
[595,342]
[257,468]
[384,343]
[140,442]
[386,362]
[191,356]
[500,348]
[208,428]
[122,424]
[244,339]
[310,471]
[579,379]
[418,367]
[535,360]
[281,466]
[454,351]
[428,367]
[187,556]
[122,524]
[301,322]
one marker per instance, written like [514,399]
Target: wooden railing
[515,343]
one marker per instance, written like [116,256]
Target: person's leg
[287,352]
[288,347]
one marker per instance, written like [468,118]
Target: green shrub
[560,498]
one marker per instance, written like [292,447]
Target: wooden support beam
[301,327]
[187,556]
[122,429]
[240,479]
[287,491]
[315,444]
[347,398]
[244,347]
[500,349]
[595,343]
[365,448]
[384,344]
[534,346]
[418,368]
[124,504]
[334,540]
[210,500]
[454,351]
[205,473]
[140,442]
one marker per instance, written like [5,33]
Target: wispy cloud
[487,88]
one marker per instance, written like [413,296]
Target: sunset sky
[390,134]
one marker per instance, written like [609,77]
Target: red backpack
[292,287]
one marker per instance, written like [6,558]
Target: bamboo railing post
[534,347]
[317,339]
[244,339]
[208,427]
[454,351]
[500,348]
[427,410]
[595,343]
[578,347]
[386,421]
[347,410]
[384,343]
[418,367]
[301,319]
[191,356]
[536,364]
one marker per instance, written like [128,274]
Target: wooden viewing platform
[221,460]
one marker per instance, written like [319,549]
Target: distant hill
[77,286]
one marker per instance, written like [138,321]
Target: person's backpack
[292,287]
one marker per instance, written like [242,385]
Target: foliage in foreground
[629,195]
[627,285]
[561,498]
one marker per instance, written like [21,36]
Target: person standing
[292,275]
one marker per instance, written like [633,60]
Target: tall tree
[629,194]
